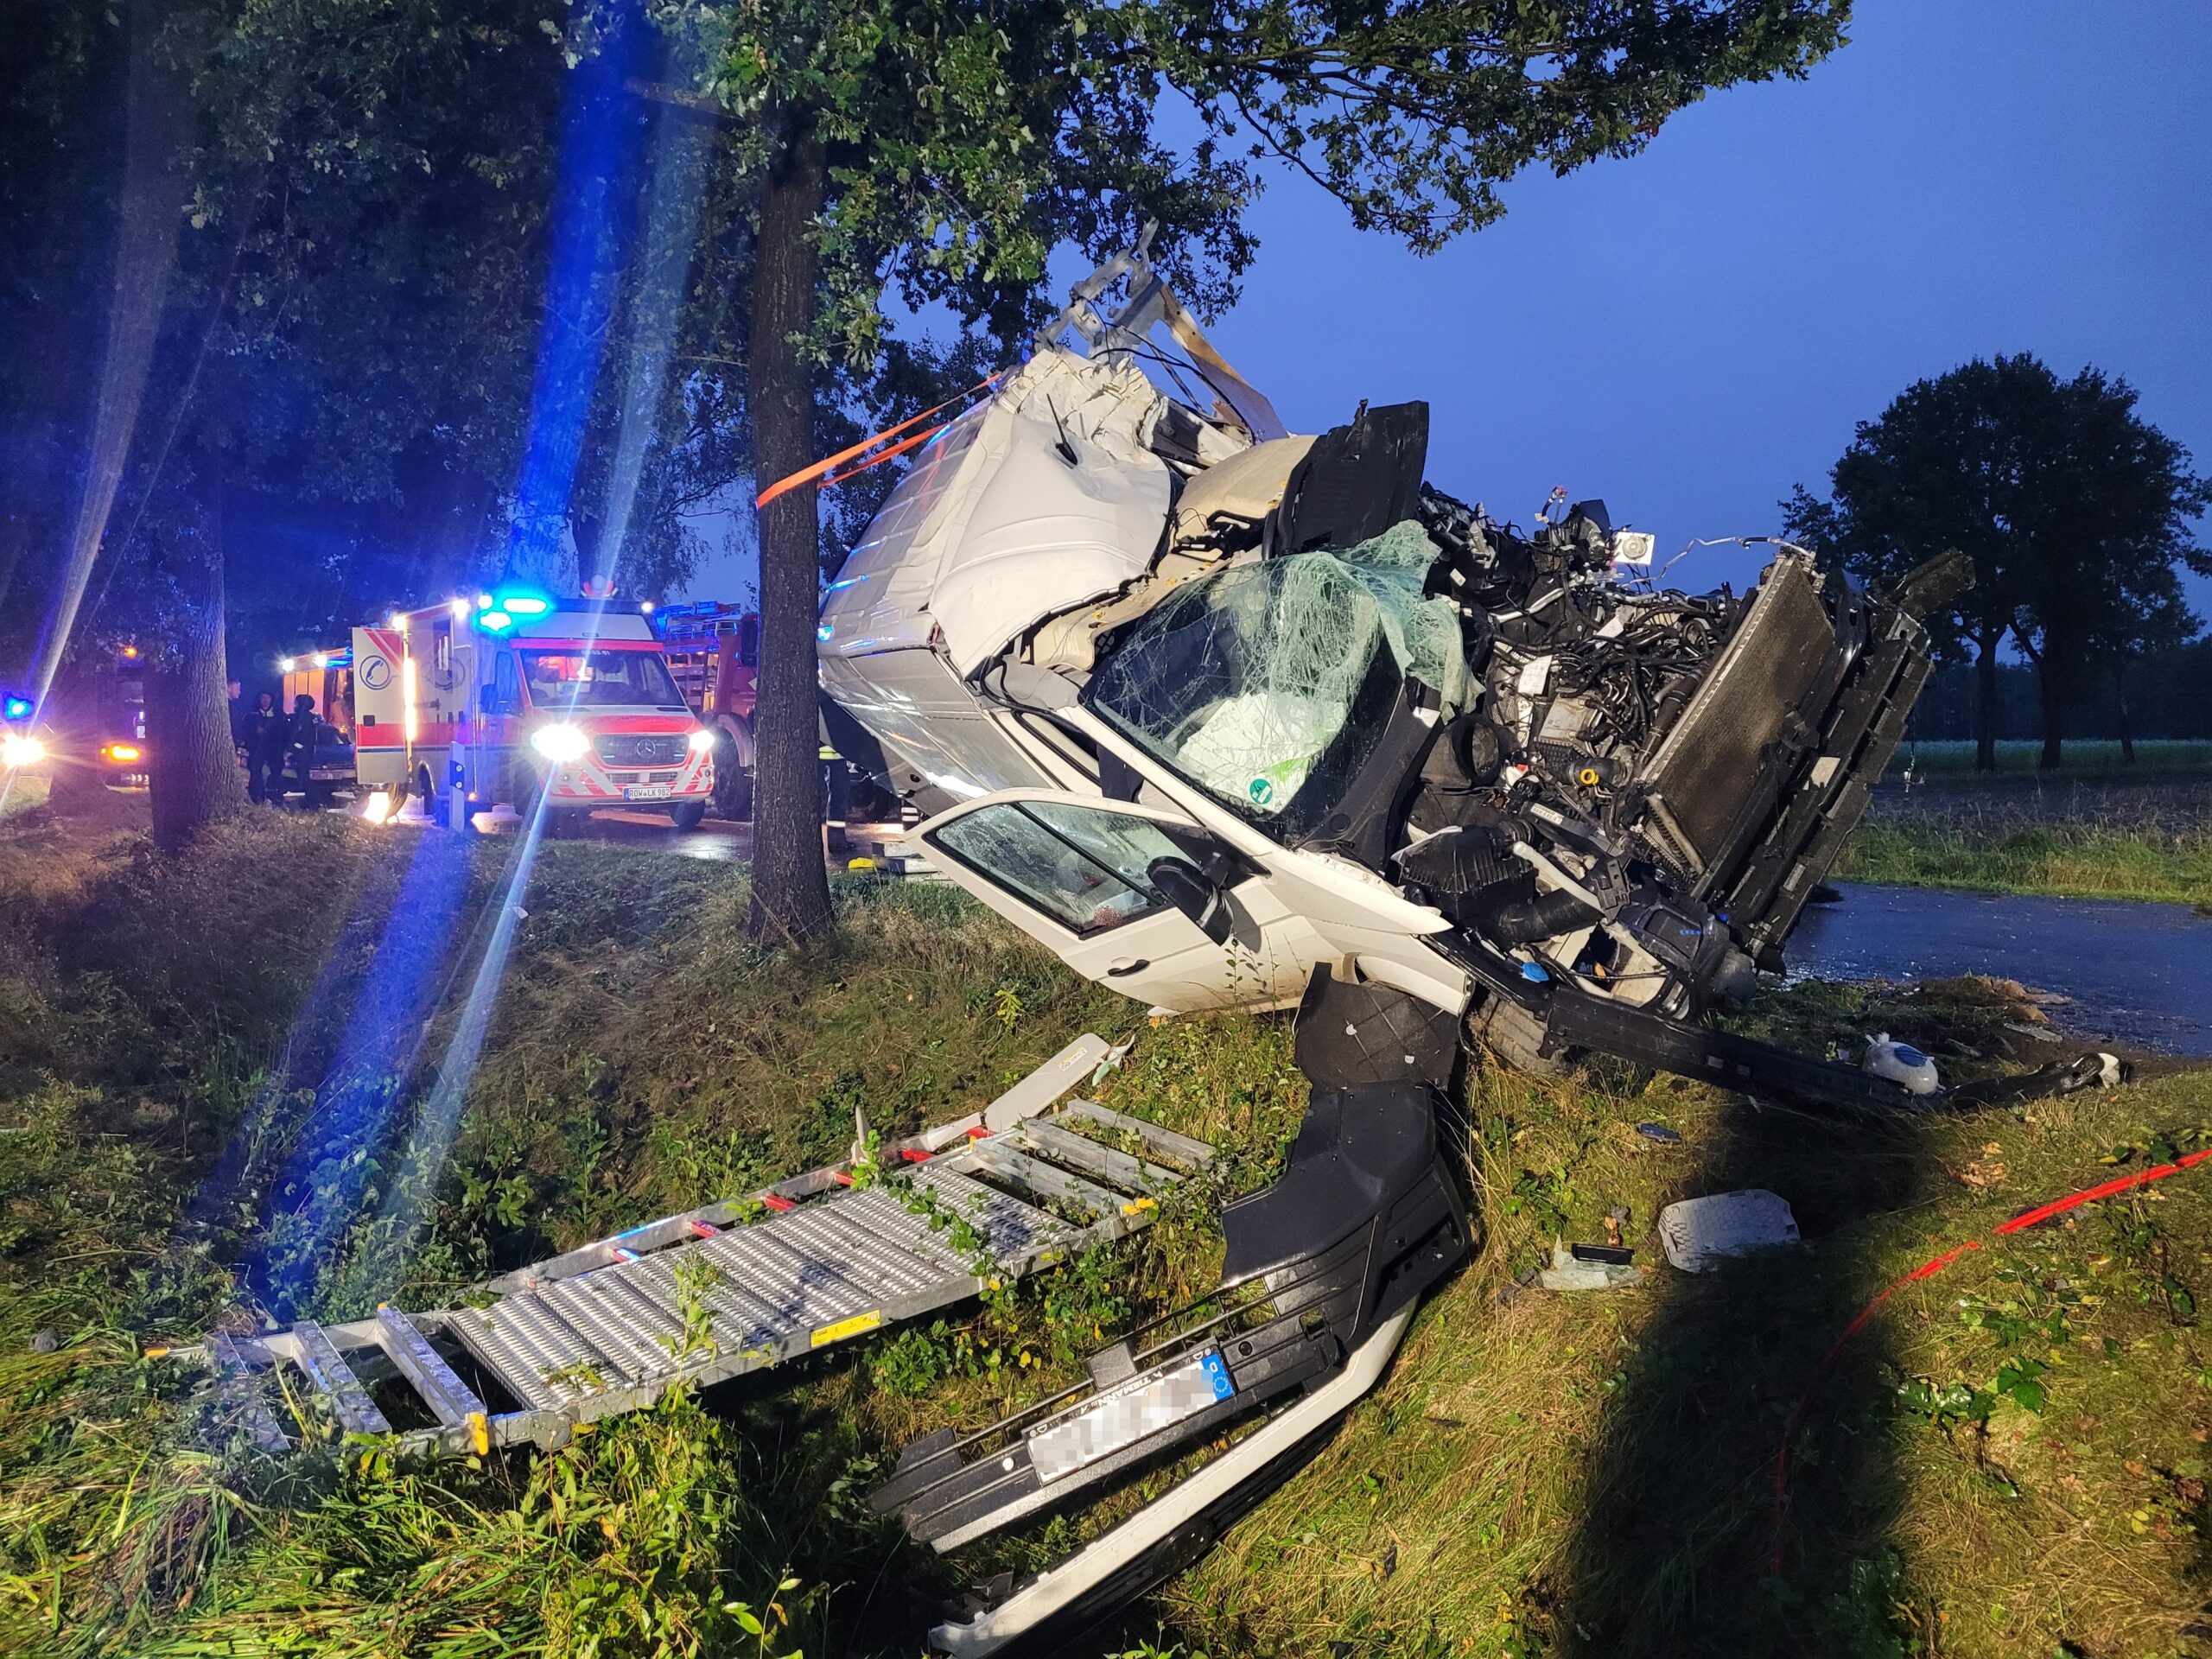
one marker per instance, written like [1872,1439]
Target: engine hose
[1526,920]
[1929,1269]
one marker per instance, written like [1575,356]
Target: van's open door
[379,708]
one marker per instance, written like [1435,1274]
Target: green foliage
[963,148]
[1871,1617]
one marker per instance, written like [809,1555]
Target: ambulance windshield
[573,678]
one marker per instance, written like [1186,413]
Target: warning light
[495,621]
[283,664]
[124,752]
[130,650]
[17,708]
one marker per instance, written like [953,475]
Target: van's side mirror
[487,699]
[1192,891]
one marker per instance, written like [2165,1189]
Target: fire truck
[516,698]
[713,649]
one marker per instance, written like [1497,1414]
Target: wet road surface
[718,841]
[2138,973]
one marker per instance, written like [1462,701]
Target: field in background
[2012,1458]
[2093,832]
[2085,755]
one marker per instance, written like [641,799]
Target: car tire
[733,792]
[1516,1036]
[687,816]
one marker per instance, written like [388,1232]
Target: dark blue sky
[1689,332]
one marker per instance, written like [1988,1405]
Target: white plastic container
[1901,1064]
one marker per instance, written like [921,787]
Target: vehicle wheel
[871,802]
[688,815]
[1516,1036]
[733,792]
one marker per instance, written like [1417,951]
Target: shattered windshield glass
[1269,684]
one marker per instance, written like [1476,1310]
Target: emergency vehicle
[713,649]
[325,678]
[518,698]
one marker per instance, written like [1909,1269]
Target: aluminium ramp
[726,1289]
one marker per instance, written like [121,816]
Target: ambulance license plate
[647,791]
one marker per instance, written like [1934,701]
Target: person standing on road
[299,747]
[262,736]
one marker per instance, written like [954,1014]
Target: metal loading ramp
[718,1292]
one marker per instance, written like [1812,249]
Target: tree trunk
[791,889]
[193,766]
[2054,708]
[2126,732]
[1984,707]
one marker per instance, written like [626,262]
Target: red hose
[1928,1270]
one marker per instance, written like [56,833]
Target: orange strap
[821,469]
[898,448]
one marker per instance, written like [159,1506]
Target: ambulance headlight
[561,743]
[700,741]
[16,750]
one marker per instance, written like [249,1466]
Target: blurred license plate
[1137,1409]
[648,792]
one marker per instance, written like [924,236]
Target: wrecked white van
[1230,716]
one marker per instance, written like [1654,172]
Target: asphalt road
[2132,971]
[717,840]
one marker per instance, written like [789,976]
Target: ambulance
[516,698]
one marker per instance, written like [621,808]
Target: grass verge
[2011,1456]
[2008,851]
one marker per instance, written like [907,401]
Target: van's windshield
[1268,686]
[569,677]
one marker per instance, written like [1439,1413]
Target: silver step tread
[746,1283]
[334,1380]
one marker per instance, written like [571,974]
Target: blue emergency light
[17,708]
[494,621]
[525,604]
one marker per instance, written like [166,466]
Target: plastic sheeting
[1245,680]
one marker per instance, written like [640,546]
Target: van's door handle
[1121,966]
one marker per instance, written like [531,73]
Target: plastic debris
[1696,1233]
[1568,1272]
[1901,1062]
[1659,1132]
[1615,1254]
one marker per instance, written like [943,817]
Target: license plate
[647,791]
[1125,1414]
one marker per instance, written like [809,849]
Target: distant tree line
[2169,697]
[2078,515]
